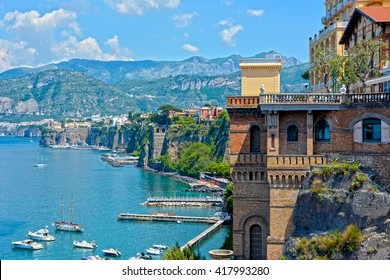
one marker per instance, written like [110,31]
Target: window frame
[322,131]
[292,133]
[374,122]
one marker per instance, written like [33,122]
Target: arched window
[322,133]
[292,133]
[371,130]
[255,139]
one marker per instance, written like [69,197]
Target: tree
[228,196]
[195,158]
[175,253]
[327,65]
[306,75]
[365,59]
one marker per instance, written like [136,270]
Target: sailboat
[67,226]
[39,163]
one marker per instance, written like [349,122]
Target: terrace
[304,101]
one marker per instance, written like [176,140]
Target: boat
[93,258]
[112,252]
[153,251]
[67,226]
[28,244]
[85,245]
[159,246]
[179,222]
[41,235]
[144,256]
[39,163]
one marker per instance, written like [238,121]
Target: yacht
[85,245]
[28,244]
[67,226]
[159,246]
[112,252]
[153,251]
[41,235]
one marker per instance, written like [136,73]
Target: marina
[100,193]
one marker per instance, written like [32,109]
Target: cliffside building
[276,137]
[335,21]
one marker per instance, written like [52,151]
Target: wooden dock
[163,217]
[202,236]
[183,201]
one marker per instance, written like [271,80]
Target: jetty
[204,235]
[183,201]
[167,217]
[118,161]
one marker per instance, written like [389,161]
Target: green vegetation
[194,158]
[326,246]
[358,181]
[175,253]
[228,195]
[228,243]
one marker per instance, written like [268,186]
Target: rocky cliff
[334,198]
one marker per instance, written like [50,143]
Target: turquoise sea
[30,199]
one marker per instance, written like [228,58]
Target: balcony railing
[242,101]
[305,98]
[297,161]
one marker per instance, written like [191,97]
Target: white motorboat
[28,244]
[160,246]
[154,251]
[85,245]
[144,256]
[112,252]
[41,235]
[67,226]
[93,258]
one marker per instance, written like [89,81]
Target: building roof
[376,14]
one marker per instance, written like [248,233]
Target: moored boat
[154,251]
[160,246]
[28,244]
[85,245]
[67,226]
[112,252]
[41,235]
[93,258]
[144,256]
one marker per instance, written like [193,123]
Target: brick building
[276,137]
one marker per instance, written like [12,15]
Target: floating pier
[204,235]
[183,201]
[167,217]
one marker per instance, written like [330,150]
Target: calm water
[30,199]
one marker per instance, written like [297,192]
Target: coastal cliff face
[141,138]
[332,199]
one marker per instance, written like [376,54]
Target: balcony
[304,101]
[295,161]
[242,101]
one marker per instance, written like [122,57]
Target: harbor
[100,194]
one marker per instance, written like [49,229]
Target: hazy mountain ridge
[112,72]
[86,87]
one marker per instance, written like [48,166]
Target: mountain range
[84,87]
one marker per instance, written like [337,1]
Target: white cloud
[228,35]
[190,48]
[119,53]
[31,39]
[139,6]
[183,20]
[255,13]
[226,22]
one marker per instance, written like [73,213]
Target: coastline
[173,175]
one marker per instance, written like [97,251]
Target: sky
[34,33]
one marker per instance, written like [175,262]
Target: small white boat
[28,244]
[144,256]
[154,251]
[93,258]
[112,252]
[179,222]
[84,244]
[39,163]
[159,246]
[41,235]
